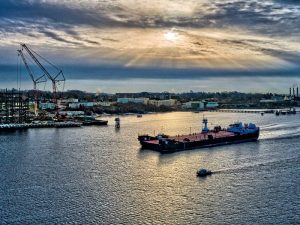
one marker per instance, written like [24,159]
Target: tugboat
[235,133]
[203,173]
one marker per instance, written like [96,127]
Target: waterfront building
[168,102]
[77,105]
[194,105]
[14,106]
[71,113]
[211,105]
[67,101]
[47,105]
[104,104]
[133,100]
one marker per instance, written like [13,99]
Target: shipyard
[138,112]
[19,112]
[37,108]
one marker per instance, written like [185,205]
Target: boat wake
[280,131]
[280,137]
[276,127]
[284,163]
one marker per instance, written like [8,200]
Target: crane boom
[40,79]
[35,81]
[54,79]
[27,67]
[41,66]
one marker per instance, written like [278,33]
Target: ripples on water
[99,175]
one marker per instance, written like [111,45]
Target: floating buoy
[117,122]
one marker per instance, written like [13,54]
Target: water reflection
[95,175]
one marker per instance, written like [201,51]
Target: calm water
[97,175]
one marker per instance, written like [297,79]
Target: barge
[235,133]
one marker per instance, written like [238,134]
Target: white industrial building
[105,104]
[71,113]
[46,105]
[195,105]
[67,101]
[77,105]
[146,101]
[211,105]
[168,102]
[133,100]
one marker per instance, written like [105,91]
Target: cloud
[165,13]
[216,38]
[55,36]
[115,73]
[35,11]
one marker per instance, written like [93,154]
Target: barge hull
[181,146]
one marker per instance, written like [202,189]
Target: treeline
[221,97]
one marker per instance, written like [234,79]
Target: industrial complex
[40,108]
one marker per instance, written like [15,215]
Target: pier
[25,126]
[266,111]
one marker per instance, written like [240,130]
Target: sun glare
[171,36]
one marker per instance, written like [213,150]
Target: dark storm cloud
[104,72]
[288,1]
[258,16]
[119,72]
[255,15]
[57,37]
[41,17]
[34,11]
[57,21]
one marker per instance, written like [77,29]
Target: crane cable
[18,72]
[58,69]
[44,59]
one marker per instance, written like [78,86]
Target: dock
[25,126]
[265,111]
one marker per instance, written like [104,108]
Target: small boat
[117,122]
[203,173]
[292,111]
[262,113]
[139,115]
[94,122]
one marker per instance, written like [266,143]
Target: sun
[171,36]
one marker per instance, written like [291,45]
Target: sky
[156,45]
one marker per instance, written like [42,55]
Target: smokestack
[293,92]
[297,91]
[290,92]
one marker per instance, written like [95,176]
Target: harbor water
[99,175]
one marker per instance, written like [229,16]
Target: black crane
[55,78]
[40,79]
